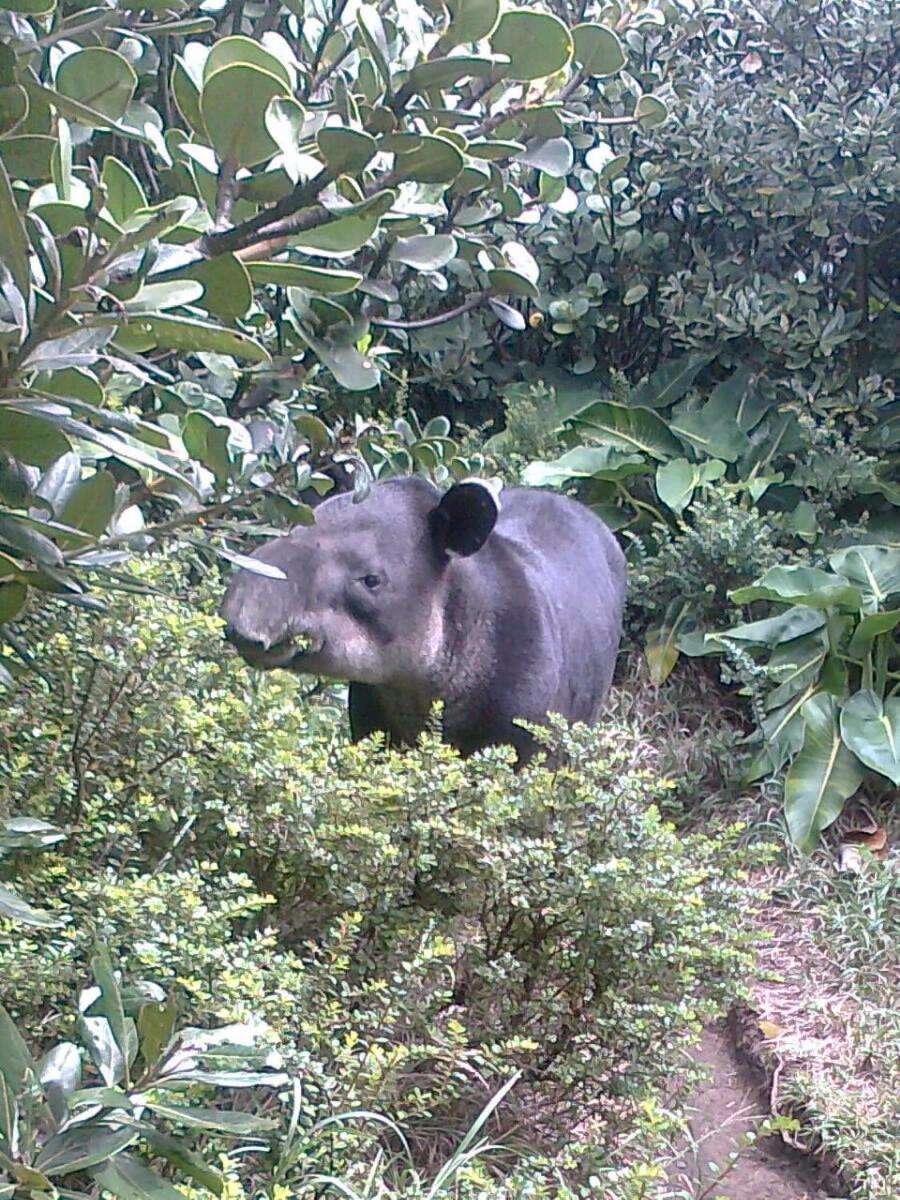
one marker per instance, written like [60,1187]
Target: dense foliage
[412,930]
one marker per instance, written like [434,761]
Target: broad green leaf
[553,156]
[536,43]
[238,130]
[187,97]
[124,194]
[434,160]
[109,1005]
[661,644]
[13,237]
[426,252]
[874,569]
[446,72]
[155,1025]
[193,1165]
[29,7]
[632,429]
[129,1179]
[504,282]
[18,535]
[31,438]
[338,238]
[822,777]
[157,297]
[810,586]
[13,595]
[470,21]
[28,157]
[598,50]
[670,382]
[235,1124]
[60,1074]
[774,630]
[227,290]
[585,462]
[16,1063]
[871,728]
[91,504]
[328,281]
[795,665]
[871,627]
[13,907]
[346,151]
[650,111]
[99,78]
[228,51]
[353,370]
[81,1147]
[285,119]
[193,336]
[712,432]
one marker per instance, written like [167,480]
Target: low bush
[415,929]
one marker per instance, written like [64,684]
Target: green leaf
[129,1179]
[109,1005]
[228,51]
[504,282]
[774,630]
[650,111]
[670,382]
[585,462]
[810,586]
[99,78]
[536,43]
[346,151]
[676,481]
[254,565]
[795,665]
[187,97]
[16,1063]
[235,1124]
[81,1147]
[869,628]
[822,776]
[711,431]
[30,7]
[28,157]
[425,252]
[352,369]
[227,290]
[155,297]
[13,595]
[193,1165]
[470,21]
[434,160]
[238,130]
[874,569]
[285,119]
[446,72]
[186,333]
[156,1025]
[17,534]
[335,239]
[60,1075]
[13,907]
[632,429]
[216,441]
[553,156]
[598,50]
[661,645]
[124,194]
[31,438]
[871,728]
[327,281]
[91,504]
[13,237]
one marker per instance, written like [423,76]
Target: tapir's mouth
[288,654]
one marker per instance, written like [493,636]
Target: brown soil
[722,1110]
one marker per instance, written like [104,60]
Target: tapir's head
[363,598]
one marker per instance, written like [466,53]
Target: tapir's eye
[371,581]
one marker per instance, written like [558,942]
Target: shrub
[414,928]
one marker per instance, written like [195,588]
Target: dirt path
[722,1110]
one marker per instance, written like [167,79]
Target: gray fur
[524,624]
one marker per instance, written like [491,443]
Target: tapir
[505,607]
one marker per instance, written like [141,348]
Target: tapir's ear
[463,520]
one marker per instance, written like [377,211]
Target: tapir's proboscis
[506,609]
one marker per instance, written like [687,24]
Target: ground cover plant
[414,931]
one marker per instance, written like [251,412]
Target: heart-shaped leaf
[871,728]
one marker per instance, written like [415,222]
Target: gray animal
[501,610]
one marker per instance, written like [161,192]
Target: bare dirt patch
[722,1111]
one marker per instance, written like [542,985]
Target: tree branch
[257,228]
[430,322]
